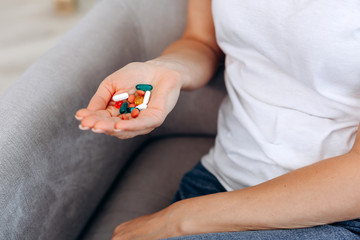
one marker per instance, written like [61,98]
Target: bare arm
[324,192]
[196,55]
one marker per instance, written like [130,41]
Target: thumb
[101,98]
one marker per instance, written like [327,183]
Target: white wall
[27,30]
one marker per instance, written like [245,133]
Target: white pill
[141,106]
[120,97]
[146,97]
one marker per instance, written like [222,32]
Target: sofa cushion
[148,184]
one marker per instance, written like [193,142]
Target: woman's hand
[163,224]
[103,117]
[204,214]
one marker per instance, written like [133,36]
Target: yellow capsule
[139,100]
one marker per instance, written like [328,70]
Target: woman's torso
[293,81]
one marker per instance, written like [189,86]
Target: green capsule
[131,109]
[123,108]
[144,87]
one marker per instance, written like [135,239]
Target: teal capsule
[131,109]
[123,108]
[144,87]
[128,110]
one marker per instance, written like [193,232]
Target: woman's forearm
[195,61]
[196,55]
[318,194]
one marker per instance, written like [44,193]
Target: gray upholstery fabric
[149,184]
[52,174]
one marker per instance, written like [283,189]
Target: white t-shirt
[293,80]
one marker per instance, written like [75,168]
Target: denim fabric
[325,232]
[199,181]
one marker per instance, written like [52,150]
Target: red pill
[132,105]
[124,117]
[118,104]
[140,92]
[131,98]
[135,113]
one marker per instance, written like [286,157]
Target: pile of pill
[133,103]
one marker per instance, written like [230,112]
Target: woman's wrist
[208,214]
[189,217]
[179,214]
[177,70]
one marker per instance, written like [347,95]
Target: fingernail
[97,130]
[118,130]
[83,128]
[78,118]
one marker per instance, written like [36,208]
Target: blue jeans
[199,181]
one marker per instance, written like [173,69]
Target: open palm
[102,116]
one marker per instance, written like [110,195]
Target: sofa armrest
[52,174]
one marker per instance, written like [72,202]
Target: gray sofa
[57,182]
